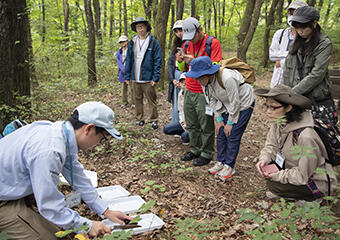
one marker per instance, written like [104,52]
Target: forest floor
[190,192]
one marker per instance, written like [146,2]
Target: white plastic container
[112,192]
[90,174]
[149,222]
[126,204]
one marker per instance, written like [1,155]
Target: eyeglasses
[272,108]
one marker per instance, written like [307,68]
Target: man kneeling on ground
[31,159]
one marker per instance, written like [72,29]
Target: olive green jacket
[315,83]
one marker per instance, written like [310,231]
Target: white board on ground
[149,222]
[126,204]
[112,192]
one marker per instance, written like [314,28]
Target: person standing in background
[121,56]
[143,66]
[281,41]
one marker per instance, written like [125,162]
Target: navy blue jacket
[151,64]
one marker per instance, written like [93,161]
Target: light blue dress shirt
[31,159]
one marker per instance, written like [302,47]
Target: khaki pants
[125,88]
[141,89]
[21,222]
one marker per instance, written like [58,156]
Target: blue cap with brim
[202,66]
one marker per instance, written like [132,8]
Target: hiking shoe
[154,125]
[216,168]
[185,143]
[124,106]
[226,172]
[189,156]
[200,161]
[272,196]
[140,123]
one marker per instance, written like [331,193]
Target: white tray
[126,204]
[149,222]
[111,192]
[90,174]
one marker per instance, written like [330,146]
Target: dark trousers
[176,129]
[301,192]
[228,147]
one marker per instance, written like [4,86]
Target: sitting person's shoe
[189,156]
[154,125]
[272,196]
[200,161]
[140,123]
[226,173]
[185,143]
[124,105]
[216,168]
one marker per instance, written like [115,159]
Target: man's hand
[98,228]
[277,64]
[175,82]
[218,125]
[227,129]
[127,81]
[153,83]
[179,57]
[188,58]
[116,216]
[259,167]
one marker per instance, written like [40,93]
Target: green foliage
[151,185]
[190,228]
[4,236]
[287,218]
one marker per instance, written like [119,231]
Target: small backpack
[236,64]
[12,126]
[332,147]
[207,48]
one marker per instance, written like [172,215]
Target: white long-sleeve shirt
[278,52]
[31,159]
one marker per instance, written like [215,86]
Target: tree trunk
[231,15]
[320,5]
[279,11]
[311,2]
[215,17]
[161,22]
[125,18]
[147,9]
[120,19]
[179,9]
[14,59]
[223,14]
[82,16]
[327,12]
[245,36]
[43,20]
[111,17]
[105,18]
[98,30]
[66,11]
[193,8]
[91,48]
[155,7]
[172,23]
[205,15]
[269,23]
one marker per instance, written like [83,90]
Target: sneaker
[200,161]
[185,143]
[177,136]
[140,123]
[189,156]
[124,106]
[226,172]
[216,168]
[272,196]
[154,125]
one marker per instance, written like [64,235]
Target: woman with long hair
[306,68]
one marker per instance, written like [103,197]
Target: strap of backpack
[208,42]
[282,32]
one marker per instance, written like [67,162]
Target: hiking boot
[140,123]
[216,168]
[226,173]
[200,161]
[272,196]
[154,125]
[189,156]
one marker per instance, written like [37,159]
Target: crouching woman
[292,125]
[232,101]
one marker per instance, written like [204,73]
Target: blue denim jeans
[174,111]
[228,147]
[176,129]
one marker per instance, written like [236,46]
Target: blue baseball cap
[202,66]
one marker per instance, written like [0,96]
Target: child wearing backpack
[289,176]
[231,100]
